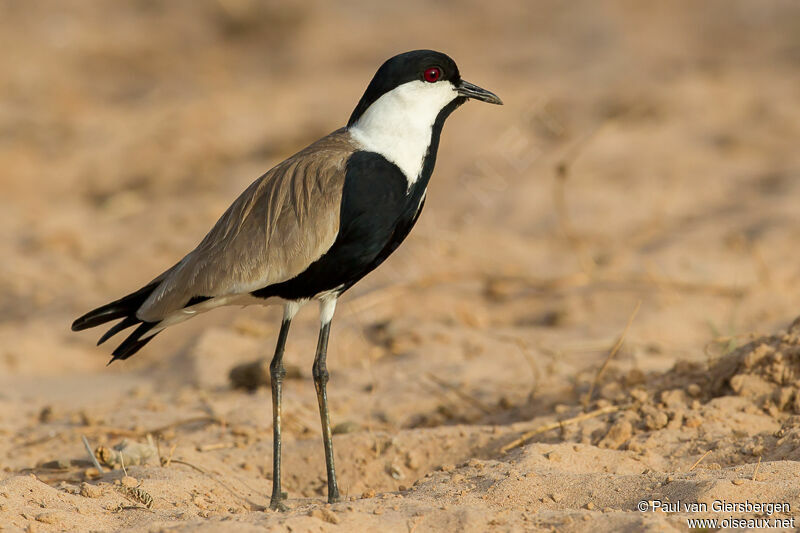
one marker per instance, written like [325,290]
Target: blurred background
[647,154]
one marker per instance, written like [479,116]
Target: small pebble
[90,491]
[396,472]
[49,518]
[345,427]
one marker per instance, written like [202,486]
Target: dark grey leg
[320,373]
[277,372]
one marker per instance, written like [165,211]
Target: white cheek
[398,125]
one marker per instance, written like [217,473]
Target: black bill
[470,90]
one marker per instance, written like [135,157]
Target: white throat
[398,125]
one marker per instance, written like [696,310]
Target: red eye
[432,74]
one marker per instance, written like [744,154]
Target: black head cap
[404,68]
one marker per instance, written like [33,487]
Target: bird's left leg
[277,373]
[320,373]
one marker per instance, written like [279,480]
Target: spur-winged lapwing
[312,226]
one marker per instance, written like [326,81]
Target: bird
[311,227]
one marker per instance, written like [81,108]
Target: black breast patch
[377,213]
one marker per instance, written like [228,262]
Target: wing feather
[284,221]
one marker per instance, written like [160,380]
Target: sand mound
[767,370]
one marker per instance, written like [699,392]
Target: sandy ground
[641,183]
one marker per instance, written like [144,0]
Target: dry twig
[525,349]
[165,462]
[215,446]
[525,437]
[214,477]
[461,394]
[755,472]
[611,354]
[92,455]
[131,433]
[699,460]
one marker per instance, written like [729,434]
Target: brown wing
[284,221]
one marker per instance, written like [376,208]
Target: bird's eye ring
[432,74]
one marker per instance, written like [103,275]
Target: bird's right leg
[277,372]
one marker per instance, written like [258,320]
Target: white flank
[398,125]
[182,315]
[291,307]
[327,306]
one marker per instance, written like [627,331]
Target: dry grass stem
[755,472]
[522,439]
[166,462]
[460,393]
[94,460]
[699,460]
[215,477]
[131,433]
[216,446]
[525,349]
[611,354]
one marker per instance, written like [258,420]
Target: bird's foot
[276,503]
[278,506]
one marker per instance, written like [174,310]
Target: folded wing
[278,226]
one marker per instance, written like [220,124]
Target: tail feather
[124,308]
[134,342]
[122,324]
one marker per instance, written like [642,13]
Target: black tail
[124,308]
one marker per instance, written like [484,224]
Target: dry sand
[646,158]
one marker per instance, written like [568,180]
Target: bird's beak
[469,90]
